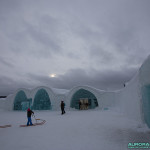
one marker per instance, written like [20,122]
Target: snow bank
[134,99]
[129,99]
[107,100]
[76,130]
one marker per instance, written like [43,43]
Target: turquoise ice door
[25,105]
[146,104]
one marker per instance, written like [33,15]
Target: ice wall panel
[42,100]
[146,103]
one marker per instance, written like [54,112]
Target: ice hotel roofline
[133,100]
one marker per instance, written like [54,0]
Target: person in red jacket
[29,113]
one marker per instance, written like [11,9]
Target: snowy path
[76,130]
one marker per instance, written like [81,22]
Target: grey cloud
[119,24]
[73,55]
[8,5]
[101,55]
[6,62]
[108,79]
[46,38]
[70,79]
[8,85]
[111,32]
[27,37]
[103,80]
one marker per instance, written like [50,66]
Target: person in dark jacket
[29,113]
[62,107]
[79,105]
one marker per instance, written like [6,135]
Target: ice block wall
[144,77]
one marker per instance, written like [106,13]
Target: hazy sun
[52,75]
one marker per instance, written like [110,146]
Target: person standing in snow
[79,104]
[62,107]
[29,113]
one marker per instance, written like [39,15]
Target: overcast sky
[100,43]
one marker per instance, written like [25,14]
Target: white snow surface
[76,130]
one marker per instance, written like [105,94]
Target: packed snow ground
[76,130]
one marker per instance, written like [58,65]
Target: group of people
[30,112]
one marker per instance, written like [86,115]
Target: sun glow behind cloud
[52,75]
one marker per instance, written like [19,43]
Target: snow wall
[129,99]
[2,103]
[134,99]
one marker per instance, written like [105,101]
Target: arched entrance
[42,100]
[21,102]
[146,103]
[83,99]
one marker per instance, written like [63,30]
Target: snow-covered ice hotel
[133,100]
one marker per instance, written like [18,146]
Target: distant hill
[3,96]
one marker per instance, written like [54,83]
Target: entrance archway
[83,99]
[42,100]
[21,102]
